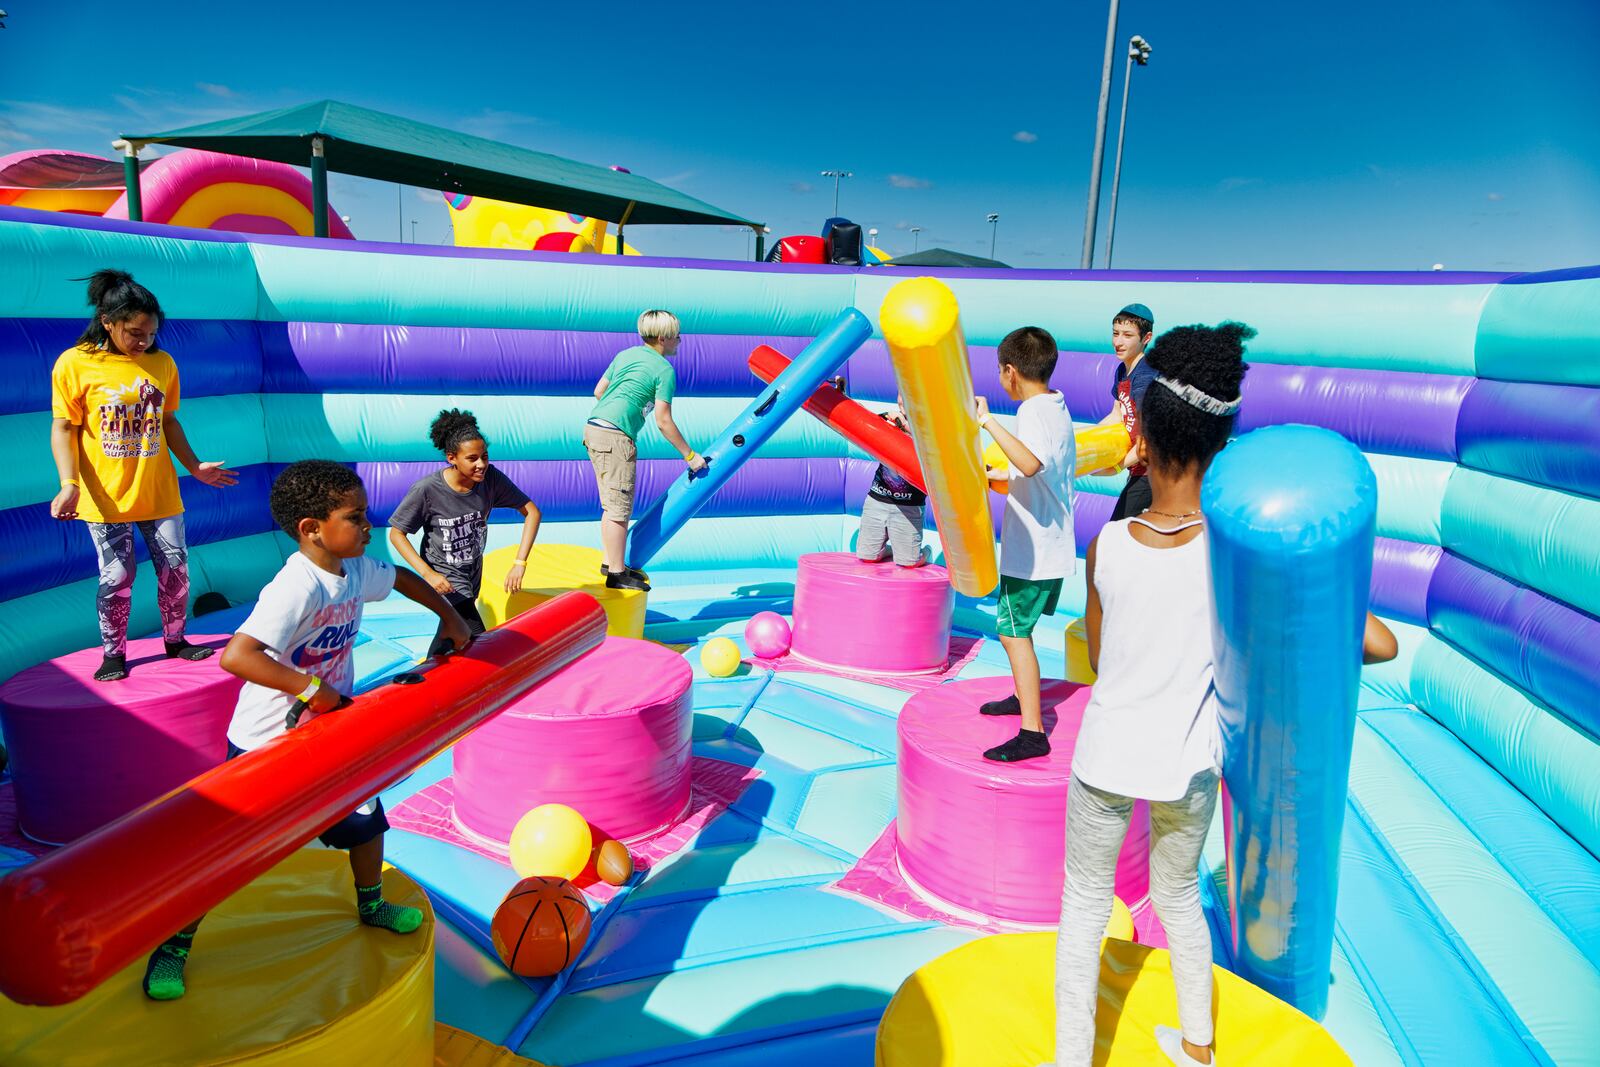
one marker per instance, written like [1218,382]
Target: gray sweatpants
[1097,821]
[899,526]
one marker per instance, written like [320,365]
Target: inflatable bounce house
[480,222]
[742,818]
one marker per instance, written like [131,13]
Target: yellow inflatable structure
[282,973]
[921,324]
[991,1003]
[1098,448]
[480,222]
[551,571]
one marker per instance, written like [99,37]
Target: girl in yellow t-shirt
[114,398]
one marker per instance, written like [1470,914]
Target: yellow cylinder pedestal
[1078,669]
[551,571]
[282,973]
[922,326]
[991,1003]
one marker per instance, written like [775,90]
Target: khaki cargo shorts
[613,455]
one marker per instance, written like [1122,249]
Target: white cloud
[214,89]
[902,225]
[1497,196]
[906,181]
[678,178]
[1025,137]
[495,123]
[802,188]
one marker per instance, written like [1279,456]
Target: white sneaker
[1170,1041]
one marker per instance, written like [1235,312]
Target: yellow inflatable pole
[1098,448]
[922,326]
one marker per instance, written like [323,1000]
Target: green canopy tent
[943,257]
[355,140]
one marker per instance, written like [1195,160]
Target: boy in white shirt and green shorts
[1038,548]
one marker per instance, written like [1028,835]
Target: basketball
[540,927]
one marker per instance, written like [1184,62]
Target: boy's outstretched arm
[1024,464]
[247,658]
[410,585]
[1378,644]
[1091,609]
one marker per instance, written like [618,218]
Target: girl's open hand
[216,475]
[65,504]
[440,583]
[514,577]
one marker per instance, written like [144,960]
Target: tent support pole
[130,179]
[761,243]
[627,212]
[319,189]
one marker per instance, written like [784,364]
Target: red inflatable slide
[79,915]
[854,423]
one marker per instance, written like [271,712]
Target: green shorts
[1023,602]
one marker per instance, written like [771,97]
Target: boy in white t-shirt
[294,654]
[1038,549]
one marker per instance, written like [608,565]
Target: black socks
[181,649]
[112,669]
[1007,706]
[1028,744]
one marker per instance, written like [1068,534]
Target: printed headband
[1195,398]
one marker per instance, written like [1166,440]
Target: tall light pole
[413,231]
[1138,55]
[836,175]
[1099,140]
[993,219]
[916,238]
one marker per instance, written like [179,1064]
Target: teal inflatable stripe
[1542,332]
[192,279]
[225,428]
[1541,976]
[1389,684]
[1552,763]
[1382,327]
[355,427]
[61,620]
[1410,496]
[1541,537]
[334,285]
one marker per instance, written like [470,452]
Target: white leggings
[1097,822]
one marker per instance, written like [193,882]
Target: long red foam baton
[854,423]
[77,916]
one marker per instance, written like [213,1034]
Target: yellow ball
[720,657]
[551,841]
[994,457]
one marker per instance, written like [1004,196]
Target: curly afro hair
[310,489]
[1210,358]
[453,428]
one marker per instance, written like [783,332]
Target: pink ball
[768,635]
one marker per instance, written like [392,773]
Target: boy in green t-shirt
[639,379]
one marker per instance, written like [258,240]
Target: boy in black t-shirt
[892,514]
[1131,330]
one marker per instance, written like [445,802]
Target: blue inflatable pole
[1290,515]
[769,410]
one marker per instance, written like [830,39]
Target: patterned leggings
[113,542]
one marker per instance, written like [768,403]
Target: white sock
[1170,1041]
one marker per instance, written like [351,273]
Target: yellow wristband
[310,690]
[68,481]
[520,563]
[692,456]
[986,420]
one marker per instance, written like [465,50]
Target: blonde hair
[658,325]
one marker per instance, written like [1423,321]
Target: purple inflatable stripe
[1539,644]
[1398,412]
[1547,434]
[325,357]
[1401,571]
[216,357]
[1084,378]
[565,491]
[54,218]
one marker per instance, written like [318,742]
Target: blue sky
[1385,134]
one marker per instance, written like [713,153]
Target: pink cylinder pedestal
[989,837]
[608,737]
[85,752]
[874,618]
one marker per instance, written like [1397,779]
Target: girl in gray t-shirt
[451,507]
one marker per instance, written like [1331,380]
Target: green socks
[375,911]
[163,975]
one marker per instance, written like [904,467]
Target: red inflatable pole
[77,916]
[854,423]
